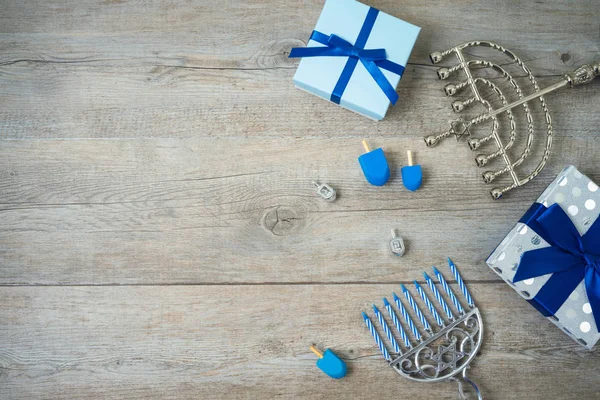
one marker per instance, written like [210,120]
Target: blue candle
[375,335]
[416,309]
[387,330]
[407,318]
[429,305]
[449,292]
[438,296]
[461,284]
[397,324]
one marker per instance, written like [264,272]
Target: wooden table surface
[159,235]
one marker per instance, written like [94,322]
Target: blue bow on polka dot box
[552,256]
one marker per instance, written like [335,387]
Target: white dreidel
[397,244]
[325,191]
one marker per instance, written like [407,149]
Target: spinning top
[397,244]
[330,363]
[374,165]
[325,191]
[411,174]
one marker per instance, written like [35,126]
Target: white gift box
[346,18]
[579,197]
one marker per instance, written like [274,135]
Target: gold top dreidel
[374,165]
[412,175]
[330,363]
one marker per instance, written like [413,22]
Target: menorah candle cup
[458,106]
[443,73]
[436,57]
[450,89]
[474,143]
[431,140]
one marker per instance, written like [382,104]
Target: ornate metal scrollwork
[426,351]
[445,354]
[463,127]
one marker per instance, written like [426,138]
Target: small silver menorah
[462,127]
[431,352]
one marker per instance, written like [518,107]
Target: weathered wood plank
[88,101]
[243,210]
[201,174]
[259,34]
[252,342]
[154,83]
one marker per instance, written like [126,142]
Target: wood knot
[565,57]
[274,54]
[282,220]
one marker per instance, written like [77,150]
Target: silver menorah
[431,352]
[462,127]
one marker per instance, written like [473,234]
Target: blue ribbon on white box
[570,259]
[372,59]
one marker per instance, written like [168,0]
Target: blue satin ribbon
[570,259]
[372,59]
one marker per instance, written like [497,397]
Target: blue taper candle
[429,305]
[461,284]
[387,330]
[375,335]
[416,309]
[397,324]
[448,291]
[438,296]
[407,318]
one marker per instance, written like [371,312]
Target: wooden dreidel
[412,176]
[330,363]
[374,166]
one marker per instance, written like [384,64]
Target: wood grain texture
[259,33]
[159,235]
[56,100]
[171,210]
[139,69]
[252,342]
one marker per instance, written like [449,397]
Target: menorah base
[446,354]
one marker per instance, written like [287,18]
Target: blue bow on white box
[372,59]
[355,57]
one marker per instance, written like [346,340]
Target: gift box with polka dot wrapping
[579,197]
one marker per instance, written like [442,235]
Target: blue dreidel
[374,166]
[329,363]
[412,176]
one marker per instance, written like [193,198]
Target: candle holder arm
[461,392]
